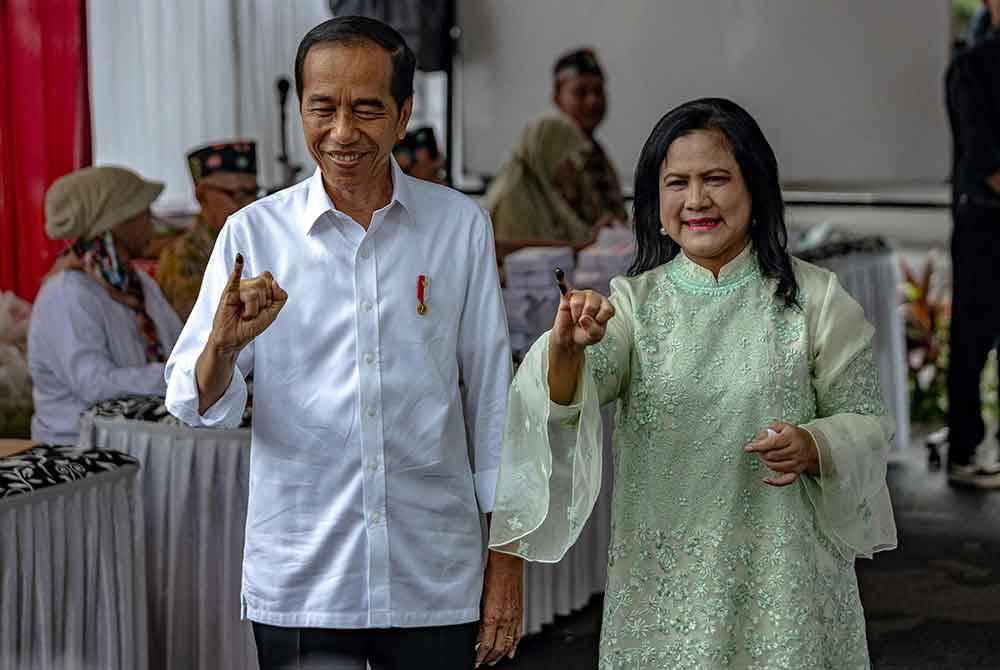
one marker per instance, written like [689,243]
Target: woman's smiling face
[705,206]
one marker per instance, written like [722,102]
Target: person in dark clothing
[973,97]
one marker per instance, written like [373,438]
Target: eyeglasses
[238,194]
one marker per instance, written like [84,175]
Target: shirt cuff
[826,471]
[486,489]
[227,412]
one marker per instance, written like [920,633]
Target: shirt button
[369,358]
[375,517]
[373,466]
[366,252]
[367,306]
[372,411]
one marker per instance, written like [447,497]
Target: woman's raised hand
[582,318]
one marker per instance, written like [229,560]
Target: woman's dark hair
[760,172]
[355,29]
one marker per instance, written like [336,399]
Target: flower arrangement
[927,316]
[926,309]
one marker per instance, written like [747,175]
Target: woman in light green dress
[750,438]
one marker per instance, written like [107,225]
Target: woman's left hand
[789,451]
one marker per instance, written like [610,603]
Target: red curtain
[44,127]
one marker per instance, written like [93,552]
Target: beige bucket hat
[91,201]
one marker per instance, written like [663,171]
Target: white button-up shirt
[369,464]
[85,347]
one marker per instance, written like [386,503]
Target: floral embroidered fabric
[708,566]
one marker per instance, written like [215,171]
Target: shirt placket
[372,442]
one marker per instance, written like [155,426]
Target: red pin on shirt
[423,282]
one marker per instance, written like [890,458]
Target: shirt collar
[731,273]
[318,201]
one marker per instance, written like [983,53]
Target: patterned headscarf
[100,259]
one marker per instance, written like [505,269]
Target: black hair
[355,29]
[580,61]
[759,166]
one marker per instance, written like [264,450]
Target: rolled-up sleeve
[182,387]
[485,360]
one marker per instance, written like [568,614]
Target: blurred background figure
[104,330]
[418,155]
[596,192]
[15,378]
[524,200]
[973,96]
[225,181]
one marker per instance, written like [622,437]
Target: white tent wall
[167,76]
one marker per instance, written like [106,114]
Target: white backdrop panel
[167,76]
[845,90]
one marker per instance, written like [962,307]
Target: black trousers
[975,323]
[431,648]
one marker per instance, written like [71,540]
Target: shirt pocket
[420,385]
[427,336]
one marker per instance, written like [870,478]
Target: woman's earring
[663,231]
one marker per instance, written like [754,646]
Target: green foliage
[926,316]
[963,10]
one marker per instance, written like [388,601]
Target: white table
[72,573]
[194,486]
[873,280]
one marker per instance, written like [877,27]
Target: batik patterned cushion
[44,466]
[144,408]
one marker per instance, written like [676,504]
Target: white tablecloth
[194,488]
[72,578]
[873,280]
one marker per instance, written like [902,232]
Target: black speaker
[424,24]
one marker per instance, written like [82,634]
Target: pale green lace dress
[709,567]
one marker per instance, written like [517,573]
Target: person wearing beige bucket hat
[100,329]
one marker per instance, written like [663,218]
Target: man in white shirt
[363,538]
